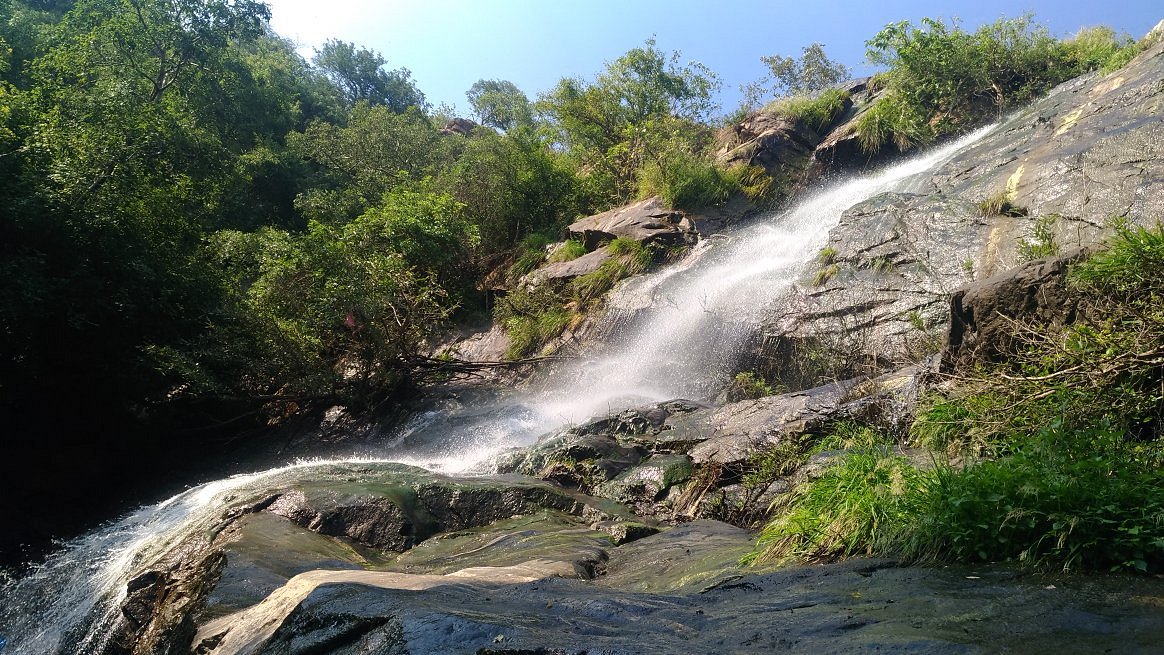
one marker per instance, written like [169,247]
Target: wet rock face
[897,258]
[351,517]
[854,607]
[158,610]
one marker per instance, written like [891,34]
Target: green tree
[500,104]
[375,152]
[614,126]
[811,73]
[511,186]
[360,75]
[336,313]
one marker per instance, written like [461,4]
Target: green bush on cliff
[896,120]
[942,79]
[1100,48]
[858,506]
[685,180]
[818,112]
[531,317]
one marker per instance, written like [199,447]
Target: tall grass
[818,112]
[858,505]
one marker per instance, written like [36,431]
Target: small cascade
[688,322]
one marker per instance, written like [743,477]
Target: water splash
[685,322]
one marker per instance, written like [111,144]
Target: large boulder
[783,146]
[985,315]
[646,221]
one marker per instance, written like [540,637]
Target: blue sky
[449,44]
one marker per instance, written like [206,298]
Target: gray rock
[983,315]
[583,265]
[782,146]
[742,430]
[646,221]
[647,481]
[459,126]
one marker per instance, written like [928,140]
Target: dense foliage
[192,213]
[940,78]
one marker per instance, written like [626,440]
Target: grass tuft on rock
[1000,205]
[570,249]
[818,112]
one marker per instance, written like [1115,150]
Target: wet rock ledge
[615,536]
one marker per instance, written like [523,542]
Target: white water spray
[694,317]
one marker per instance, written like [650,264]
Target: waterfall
[689,319]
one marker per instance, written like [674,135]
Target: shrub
[1132,262]
[859,505]
[1069,499]
[942,79]
[531,317]
[530,254]
[1000,205]
[818,112]
[753,181]
[825,274]
[686,181]
[570,249]
[748,386]
[1099,48]
[893,120]
[1041,242]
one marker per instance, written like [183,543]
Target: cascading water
[687,321]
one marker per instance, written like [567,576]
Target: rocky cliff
[1050,178]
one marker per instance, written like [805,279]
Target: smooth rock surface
[646,221]
[855,607]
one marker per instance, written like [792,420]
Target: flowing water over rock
[683,327]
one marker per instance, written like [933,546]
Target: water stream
[680,328]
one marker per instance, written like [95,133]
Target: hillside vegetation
[195,222]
